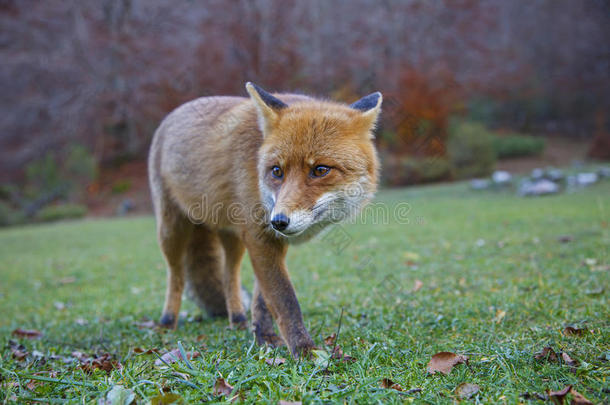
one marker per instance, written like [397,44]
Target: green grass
[476,253]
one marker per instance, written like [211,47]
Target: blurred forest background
[467,85]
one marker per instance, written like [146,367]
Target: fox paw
[168,321]
[239,321]
[270,339]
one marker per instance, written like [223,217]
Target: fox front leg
[267,256]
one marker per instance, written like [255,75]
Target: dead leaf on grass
[18,351]
[445,361]
[277,361]
[104,361]
[578,398]
[174,356]
[221,387]
[290,402]
[500,314]
[66,280]
[27,333]
[466,390]
[338,355]
[146,325]
[574,331]
[330,340]
[568,360]
[565,238]
[547,354]
[417,285]
[559,396]
[389,384]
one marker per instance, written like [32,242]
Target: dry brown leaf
[330,340]
[445,361]
[290,402]
[466,390]
[417,285]
[19,352]
[578,398]
[500,314]
[572,331]
[558,396]
[276,361]
[547,354]
[66,280]
[221,387]
[146,324]
[338,355]
[387,383]
[568,360]
[175,355]
[104,362]
[201,337]
[27,333]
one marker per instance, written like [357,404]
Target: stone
[554,175]
[480,184]
[537,174]
[538,187]
[604,172]
[501,177]
[586,179]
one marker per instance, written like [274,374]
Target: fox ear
[267,106]
[369,105]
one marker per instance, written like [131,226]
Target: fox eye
[320,171]
[277,172]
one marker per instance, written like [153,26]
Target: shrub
[411,170]
[121,186]
[470,150]
[59,212]
[10,216]
[514,145]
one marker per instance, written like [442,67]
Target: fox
[233,174]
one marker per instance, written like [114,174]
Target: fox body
[232,173]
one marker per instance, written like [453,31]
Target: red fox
[231,173]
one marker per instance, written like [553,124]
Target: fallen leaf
[146,324]
[66,280]
[573,331]
[547,354]
[578,398]
[417,285]
[201,337]
[445,361]
[118,395]
[500,314]
[277,361]
[558,396]
[338,355]
[565,238]
[221,387]
[18,351]
[81,321]
[166,399]
[290,402]
[27,333]
[466,390]
[568,360]
[174,356]
[330,340]
[60,306]
[104,361]
[389,384]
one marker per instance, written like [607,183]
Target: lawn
[488,275]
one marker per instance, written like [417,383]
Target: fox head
[317,163]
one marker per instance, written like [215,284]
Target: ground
[488,275]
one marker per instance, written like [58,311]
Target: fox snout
[291,223]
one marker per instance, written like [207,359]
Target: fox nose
[280,222]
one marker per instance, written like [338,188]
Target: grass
[498,286]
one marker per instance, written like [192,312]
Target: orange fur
[210,175]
